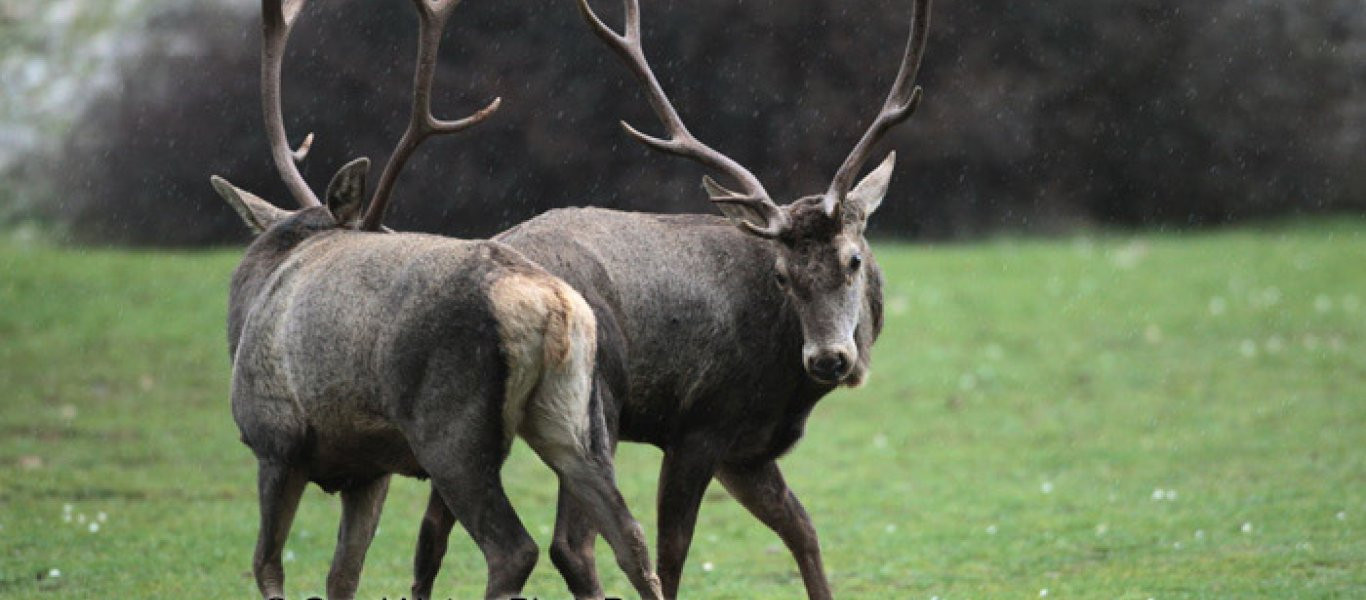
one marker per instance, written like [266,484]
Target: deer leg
[279,487]
[465,464]
[360,515]
[431,545]
[481,505]
[683,478]
[762,490]
[590,484]
[572,549]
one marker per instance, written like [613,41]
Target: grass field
[1119,416]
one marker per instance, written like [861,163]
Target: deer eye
[855,262]
[780,278]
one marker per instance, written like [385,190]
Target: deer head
[823,263]
[346,192]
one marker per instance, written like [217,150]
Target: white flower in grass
[1153,334]
[1043,593]
[1270,296]
[708,567]
[1247,527]
[1217,306]
[1046,487]
[1341,516]
[1199,534]
[991,529]
[101,517]
[94,527]
[289,556]
[1274,344]
[54,573]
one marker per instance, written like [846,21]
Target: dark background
[1039,117]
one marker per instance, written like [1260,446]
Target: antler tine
[901,103]
[680,141]
[432,16]
[276,21]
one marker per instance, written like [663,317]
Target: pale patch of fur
[857,377]
[549,336]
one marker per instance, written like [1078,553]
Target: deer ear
[258,214]
[734,205]
[346,192]
[868,194]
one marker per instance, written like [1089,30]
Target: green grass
[1028,398]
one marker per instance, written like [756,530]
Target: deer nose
[829,366]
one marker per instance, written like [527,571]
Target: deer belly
[340,459]
[355,450]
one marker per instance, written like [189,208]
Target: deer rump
[354,341]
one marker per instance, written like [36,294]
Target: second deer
[359,354]
[717,335]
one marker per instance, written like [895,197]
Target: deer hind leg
[360,515]
[431,545]
[464,457]
[279,486]
[590,485]
[572,548]
[572,441]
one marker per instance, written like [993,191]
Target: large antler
[901,103]
[681,142]
[432,16]
[276,21]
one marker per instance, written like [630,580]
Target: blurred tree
[1039,116]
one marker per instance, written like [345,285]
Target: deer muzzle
[829,363]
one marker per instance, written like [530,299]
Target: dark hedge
[1038,116]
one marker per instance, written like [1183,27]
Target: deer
[359,353]
[717,335]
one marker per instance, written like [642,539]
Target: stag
[360,354]
[716,336]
